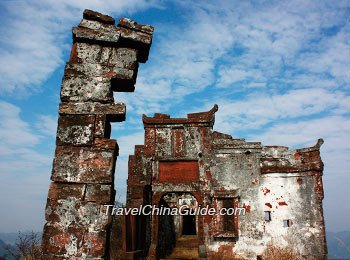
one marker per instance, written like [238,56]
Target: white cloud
[333,58]
[259,109]
[14,131]
[47,125]
[18,142]
[334,129]
[127,142]
[227,76]
[35,34]
[24,172]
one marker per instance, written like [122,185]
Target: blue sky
[279,71]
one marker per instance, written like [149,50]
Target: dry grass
[278,253]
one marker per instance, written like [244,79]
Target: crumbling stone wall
[104,58]
[184,155]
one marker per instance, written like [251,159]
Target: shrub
[27,247]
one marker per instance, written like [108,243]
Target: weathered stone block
[99,193]
[73,243]
[95,243]
[83,52]
[83,165]
[72,212]
[88,69]
[114,111]
[124,58]
[136,40]
[123,68]
[95,16]
[107,35]
[109,144]
[128,23]
[84,82]
[75,130]
[66,190]
[95,25]
[85,88]
[62,242]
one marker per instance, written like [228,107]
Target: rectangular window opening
[226,222]
[267,215]
[286,223]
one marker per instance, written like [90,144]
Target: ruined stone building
[182,162]
[183,159]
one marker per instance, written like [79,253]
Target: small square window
[268,215]
[286,223]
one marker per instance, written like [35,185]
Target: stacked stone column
[104,59]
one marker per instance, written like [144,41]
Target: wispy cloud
[14,132]
[258,110]
[24,172]
[47,124]
[34,37]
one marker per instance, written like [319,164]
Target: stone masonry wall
[184,155]
[104,58]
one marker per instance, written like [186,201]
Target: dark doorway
[189,225]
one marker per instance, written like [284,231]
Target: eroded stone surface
[184,158]
[128,23]
[75,130]
[95,16]
[79,243]
[104,58]
[114,111]
[73,212]
[86,88]
[83,165]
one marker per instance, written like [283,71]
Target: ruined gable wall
[104,58]
[294,181]
[262,178]
[285,183]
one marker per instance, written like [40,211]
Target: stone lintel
[96,16]
[114,111]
